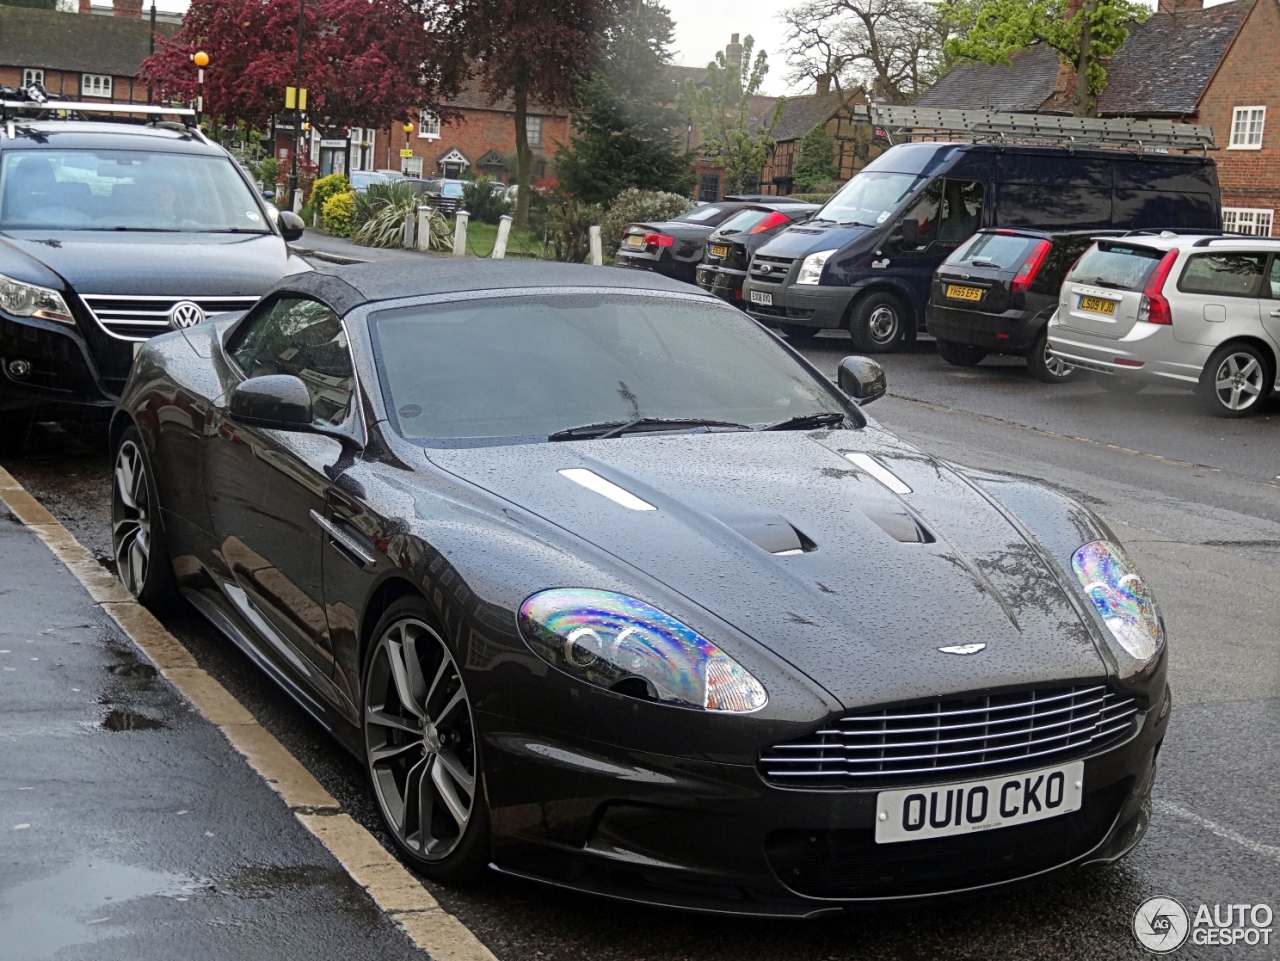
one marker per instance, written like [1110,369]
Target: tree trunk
[1084,100]
[524,156]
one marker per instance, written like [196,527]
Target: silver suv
[1193,309]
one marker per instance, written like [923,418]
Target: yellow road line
[391,885]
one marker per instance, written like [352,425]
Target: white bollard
[408,231]
[460,234]
[597,254]
[504,231]
[424,228]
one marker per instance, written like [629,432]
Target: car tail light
[1027,272]
[658,240]
[775,219]
[1154,307]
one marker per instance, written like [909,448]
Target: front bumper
[1147,352]
[715,837]
[1010,332]
[63,373]
[801,305]
[724,282]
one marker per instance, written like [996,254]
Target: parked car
[866,261]
[391,174]
[445,195]
[1202,311]
[361,180]
[675,247]
[620,594]
[419,184]
[996,292]
[728,249]
[111,233]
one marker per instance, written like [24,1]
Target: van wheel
[1235,382]
[962,355]
[797,334]
[1046,368]
[878,323]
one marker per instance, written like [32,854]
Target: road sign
[406,152]
[295,99]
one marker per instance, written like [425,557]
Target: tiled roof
[472,97]
[74,42]
[1024,85]
[802,114]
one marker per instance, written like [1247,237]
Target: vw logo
[185,314]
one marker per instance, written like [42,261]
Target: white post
[597,255]
[408,231]
[460,234]
[297,206]
[504,231]
[424,228]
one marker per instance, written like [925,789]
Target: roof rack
[1004,127]
[11,107]
[1249,238]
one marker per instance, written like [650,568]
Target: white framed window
[411,166]
[428,125]
[32,75]
[533,129]
[1255,221]
[1246,128]
[95,85]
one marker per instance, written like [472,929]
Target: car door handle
[1275,313]
[344,539]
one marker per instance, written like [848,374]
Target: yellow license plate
[635,240]
[956,292]
[1099,305]
[718,251]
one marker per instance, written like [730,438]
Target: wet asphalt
[1197,500]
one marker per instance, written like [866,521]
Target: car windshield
[706,214]
[453,190]
[520,369]
[1115,265]
[870,198]
[125,190]
[363,178]
[1002,251]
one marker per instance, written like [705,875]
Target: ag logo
[1161,924]
[185,314]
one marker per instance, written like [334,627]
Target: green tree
[1085,40]
[624,123]
[722,111]
[817,161]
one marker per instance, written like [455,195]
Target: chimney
[1179,6]
[824,84]
[127,8]
[733,52]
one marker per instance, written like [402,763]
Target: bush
[568,227]
[326,187]
[338,212]
[636,206]
[380,213]
[480,200]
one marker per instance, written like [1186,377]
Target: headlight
[619,643]
[811,269]
[28,300]
[1122,598]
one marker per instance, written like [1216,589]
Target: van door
[948,213]
[1218,297]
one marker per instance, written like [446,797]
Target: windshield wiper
[1099,282]
[826,418]
[854,223]
[147,230]
[613,428]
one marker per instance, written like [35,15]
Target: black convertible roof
[345,288]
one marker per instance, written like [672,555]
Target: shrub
[568,227]
[326,187]
[635,206]
[338,212]
[480,200]
[380,213]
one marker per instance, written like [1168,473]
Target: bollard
[424,228]
[460,234]
[597,255]
[504,231]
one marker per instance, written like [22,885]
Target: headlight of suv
[622,644]
[811,269]
[28,300]
[1121,597]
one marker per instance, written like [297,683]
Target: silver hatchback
[1199,310]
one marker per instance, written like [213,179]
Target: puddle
[119,720]
[134,669]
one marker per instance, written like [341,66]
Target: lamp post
[201,61]
[297,125]
[408,151]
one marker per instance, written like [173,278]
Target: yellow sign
[295,99]
[406,152]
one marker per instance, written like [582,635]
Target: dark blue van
[866,260]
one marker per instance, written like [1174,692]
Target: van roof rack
[998,126]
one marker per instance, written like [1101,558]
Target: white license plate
[635,240]
[762,297]
[913,814]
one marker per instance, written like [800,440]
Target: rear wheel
[797,334]
[878,323]
[1046,368]
[1236,381]
[962,355]
[137,538]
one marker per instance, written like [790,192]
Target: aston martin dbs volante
[609,588]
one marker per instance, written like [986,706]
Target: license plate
[956,292]
[913,814]
[762,297]
[1099,305]
[718,251]
[635,240]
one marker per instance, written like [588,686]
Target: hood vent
[768,531]
[899,523]
[605,488]
[877,470]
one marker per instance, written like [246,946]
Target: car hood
[800,241]
[120,262]
[864,609]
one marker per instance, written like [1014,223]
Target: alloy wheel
[420,740]
[1056,365]
[882,325]
[1238,381]
[131,518]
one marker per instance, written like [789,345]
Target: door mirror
[280,401]
[906,232]
[862,379]
[291,226]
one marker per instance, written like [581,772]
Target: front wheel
[961,355]
[1046,368]
[878,323]
[137,538]
[1235,382]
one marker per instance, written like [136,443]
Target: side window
[1226,275]
[1274,279]
[303,338]
[961,210]
[924,211]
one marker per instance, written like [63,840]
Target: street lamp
[297,128]
[408,151]
[201,61]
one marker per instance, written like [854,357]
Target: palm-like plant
[381,211]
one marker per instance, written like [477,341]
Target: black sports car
[609,588]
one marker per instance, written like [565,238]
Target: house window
[411,166]
[1246,128]
[709,188]
[32,75]
[95,85]
[533,129]
[428,125]
[1247,220]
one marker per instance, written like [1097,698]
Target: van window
[925,212]
[1002,251]
[1230,275]
[1116,265]
[870,198]
[1052,205]
[961,210]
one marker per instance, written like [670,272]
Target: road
[1196,499]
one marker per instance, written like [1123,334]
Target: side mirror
[862,379]
[906,232]
[280,401]
[291,226]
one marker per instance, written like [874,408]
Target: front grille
[958,737]
[131,317]
[776,272]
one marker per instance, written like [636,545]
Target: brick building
[829,108]
[1218,66]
